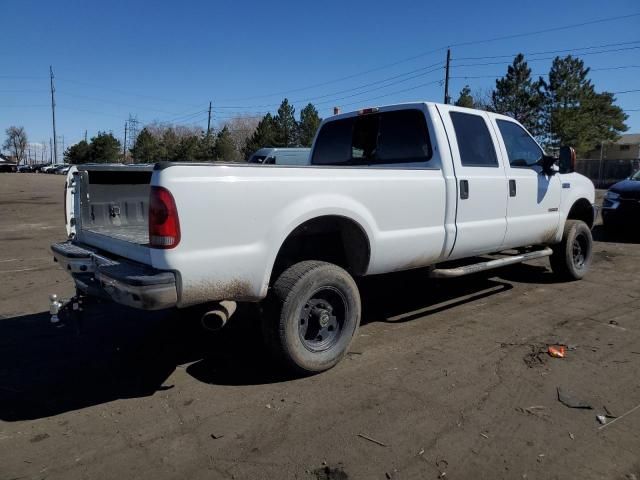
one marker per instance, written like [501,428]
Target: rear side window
[375,139]
[474,140]
[522,150]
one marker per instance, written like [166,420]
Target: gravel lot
[447,377]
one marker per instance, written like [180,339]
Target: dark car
[621,205]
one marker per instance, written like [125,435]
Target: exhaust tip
[215,319]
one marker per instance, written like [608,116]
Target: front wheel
[312,316]
[571,258]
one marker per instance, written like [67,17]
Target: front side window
[474,140]
[374,139]
[522,150]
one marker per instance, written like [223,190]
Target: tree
[286,127]
[207,148]
[187,149]
[224,146]
[105,148]
[241,128]
[308,126]
[16,142]
[146,149]
[78,153]
[575,114]
[517,96]
[263,136]
[465,99]
[169,145]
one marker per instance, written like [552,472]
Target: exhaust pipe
[218,317]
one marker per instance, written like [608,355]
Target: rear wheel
[571,258]
[313,313]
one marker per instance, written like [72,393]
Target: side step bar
[482,266]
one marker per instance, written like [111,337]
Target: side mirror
[547,162]
[567,160]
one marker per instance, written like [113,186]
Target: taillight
[164,227]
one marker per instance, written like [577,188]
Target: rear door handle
[512,188]
[464,189]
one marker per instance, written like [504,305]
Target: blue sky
[166,60]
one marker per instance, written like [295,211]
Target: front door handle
[512,188]
[464,189]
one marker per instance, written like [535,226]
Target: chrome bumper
[124,282]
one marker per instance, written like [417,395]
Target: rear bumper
[124,282]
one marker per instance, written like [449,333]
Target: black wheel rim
[322,319]
[579,251]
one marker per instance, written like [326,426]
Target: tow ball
[56,305]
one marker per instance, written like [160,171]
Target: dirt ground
[446,379]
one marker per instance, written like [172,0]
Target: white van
[281,156]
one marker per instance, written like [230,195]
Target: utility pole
[85,136]
[209,120]
[53,115]
[50,151]
[446,78]
[124,145]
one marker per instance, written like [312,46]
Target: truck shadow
[116,352]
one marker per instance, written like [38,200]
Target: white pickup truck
[388,189]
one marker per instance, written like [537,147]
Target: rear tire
[571,257]
[312,314]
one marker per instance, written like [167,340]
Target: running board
[481,267]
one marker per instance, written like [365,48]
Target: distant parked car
[26,169]
[40,167]
[62,169]
[50,168]
[281,156]
[621,205]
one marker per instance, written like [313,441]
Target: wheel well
[332,238]
[582,210]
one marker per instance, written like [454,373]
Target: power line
[550,51]
[442,48]
[547,58]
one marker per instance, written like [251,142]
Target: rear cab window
[474,140]
[383,138]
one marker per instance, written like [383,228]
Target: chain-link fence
[606,172]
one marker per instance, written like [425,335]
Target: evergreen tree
[169,145]
[105,148]
[465,99]
[187,149]
[286,127]
[146,149]
[207,148]
[575,114]
[308,126]
[224,149]
[263,136]
[78,153]
[517,96]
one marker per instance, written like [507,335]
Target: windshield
[257,159]
[636,176]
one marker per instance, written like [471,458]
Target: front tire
[571,258]
[313,314]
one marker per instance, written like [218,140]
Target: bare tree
[241,128]
[16,142]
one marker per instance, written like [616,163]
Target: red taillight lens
[164,226]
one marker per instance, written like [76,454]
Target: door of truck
[481,182]
[534,197]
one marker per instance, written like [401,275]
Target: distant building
[612,161]
[8,163]
[627,147]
